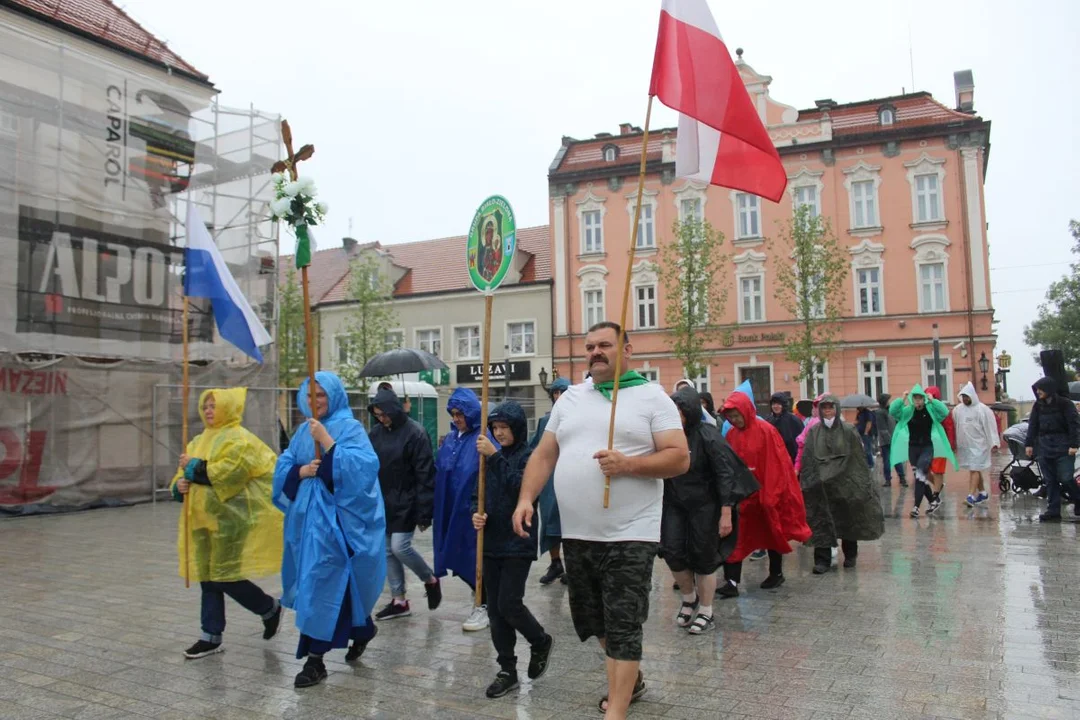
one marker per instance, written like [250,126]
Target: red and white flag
[722,140]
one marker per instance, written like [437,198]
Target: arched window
[610,153]
[887,115]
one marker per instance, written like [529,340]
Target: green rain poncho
[903,411]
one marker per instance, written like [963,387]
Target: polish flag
[722,140]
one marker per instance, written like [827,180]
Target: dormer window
[611,152]
[887,115]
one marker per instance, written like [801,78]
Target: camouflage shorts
[609,585]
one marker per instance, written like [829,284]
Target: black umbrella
[1001,407]
[401,361]
[858,400]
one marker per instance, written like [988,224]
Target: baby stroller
[1022,474]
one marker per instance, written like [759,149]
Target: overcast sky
[419,110]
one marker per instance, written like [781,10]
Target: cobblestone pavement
[972,614]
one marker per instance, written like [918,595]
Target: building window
[807,195]
[522,336]
[944,370]
[928,198]
[341,342]
[751,300]
[820,384]
[594,232]
[865,203]
[610,153]
[594,307]
[868,281]
[749,215]
[874,382]
[887,116]
[690,209]
[8,123]
[651,374]
[467,342]
[701,382]
[645,296]
[394,339]
[932,287]
[430,340]
[646,237]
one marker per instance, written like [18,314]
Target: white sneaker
[477,620]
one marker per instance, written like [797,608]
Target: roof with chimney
[430,266]
[912,110]
[104,23]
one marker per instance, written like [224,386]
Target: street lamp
[543,374]
[1004,362]
[984,367]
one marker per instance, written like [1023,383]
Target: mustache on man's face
[597,358]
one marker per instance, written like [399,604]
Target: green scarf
[629,379]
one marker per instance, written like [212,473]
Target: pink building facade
[899,179]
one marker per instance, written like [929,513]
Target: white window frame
[750,264]
[479,344]
[339,349]
[509,342]
[428,329]
[400,332]
[639,303]
[931,250]
[743,318]
[861,172]
[610,154]
[928,287]
[647,229]
[821,378]
[691,190]
[864,375]
[651,374]
[927,165]
[887,116]
[876,285]
[702,383]
[751,211]
[590,277]
[946,373]
[866,255]
[593,312]
[589,204]
[754,363]
[806,178]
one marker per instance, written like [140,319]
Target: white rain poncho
[976,431]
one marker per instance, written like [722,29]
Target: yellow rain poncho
[235,530]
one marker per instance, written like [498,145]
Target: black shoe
[394,610]
[728,590]
[270,627]
[201,649]
[821,568]
[886,484]
[359,646]
[1050,517]
[903,482]
[563,579]
[314,672]
[538,659]
[504,682]
[849,560]
[554,572]
[434,594]
[773,581]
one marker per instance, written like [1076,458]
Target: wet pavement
[969,614]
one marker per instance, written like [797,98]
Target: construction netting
[100,157]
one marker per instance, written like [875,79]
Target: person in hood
[801,440]
[705,416]
[508,557]
[939,465]
[407,480]
[886,424]
[785,422]
[976,437]
[550,526]
[708,403]
[232,531]
[775,516]
[919,437]
[698,527]
[334,563]
[456,470]
[841,500]
[1053,437]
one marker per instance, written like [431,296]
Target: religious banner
[491,244]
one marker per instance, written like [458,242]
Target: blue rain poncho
[333,542]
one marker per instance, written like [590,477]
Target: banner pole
[186,385]
[489,298]
[626,294]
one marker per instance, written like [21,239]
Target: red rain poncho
[772,518]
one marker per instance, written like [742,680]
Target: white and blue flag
[207,276]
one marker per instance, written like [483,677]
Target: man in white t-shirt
[609,553]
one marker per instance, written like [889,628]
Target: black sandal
[686,613]
[639,690]
[701,624]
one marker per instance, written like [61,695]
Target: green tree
[1057,324]
[691,271]
[810,289]
[371,316]
[292,359]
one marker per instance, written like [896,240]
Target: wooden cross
[291,161]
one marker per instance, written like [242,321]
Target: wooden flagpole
[185,389]
[489,297]
[626,295]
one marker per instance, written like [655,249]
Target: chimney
[826,104]
[965,91]
[667,148]
[625,128]
[349,244]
